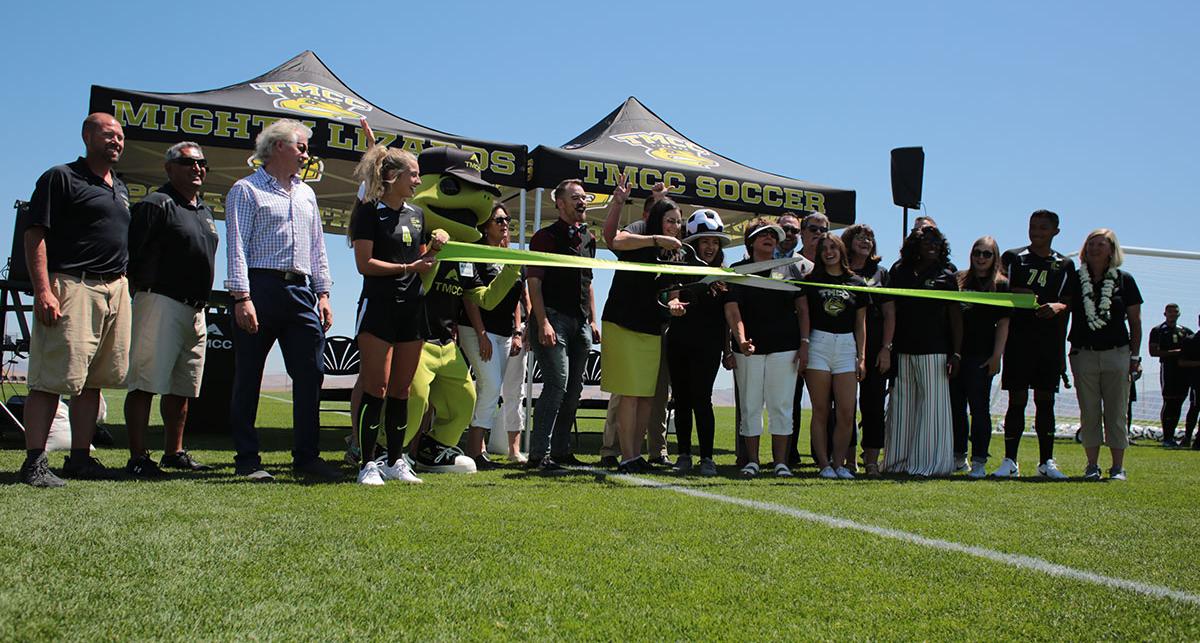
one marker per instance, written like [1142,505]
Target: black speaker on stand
[908,172]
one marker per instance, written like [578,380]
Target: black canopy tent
[632,140]
[225,122]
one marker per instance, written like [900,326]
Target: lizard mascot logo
[311,99]
[670,148]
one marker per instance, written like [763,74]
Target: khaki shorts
[89,346]
[167,358]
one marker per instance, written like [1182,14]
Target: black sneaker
[548,465]
[569,460]
[610,462]
[635,466]
[37,473]
[88,468]
[143,467]
[534,462]
[182,460]
[435,457]
[661,461]
[483,463]
[318,469]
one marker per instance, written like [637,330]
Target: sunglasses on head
[816,229]
[986,254]
[189,162]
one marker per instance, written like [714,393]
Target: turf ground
[586,555]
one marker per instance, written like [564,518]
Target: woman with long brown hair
[985,333]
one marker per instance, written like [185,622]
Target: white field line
[287,401]
[1012,560]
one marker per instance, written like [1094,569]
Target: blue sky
[1083,108]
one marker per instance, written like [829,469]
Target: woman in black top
[487,338]
[834,323]
[632,325]
[928,342]
[765,327]
[985,333]
[1106,336]
[881,323]
[392,250]
[696,343]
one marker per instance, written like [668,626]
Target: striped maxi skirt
[920,429]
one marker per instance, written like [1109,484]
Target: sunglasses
[791,229]
[501,221]
[189,162]
[986,254]
[816,229]
[302,147]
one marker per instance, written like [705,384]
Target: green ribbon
[479,253]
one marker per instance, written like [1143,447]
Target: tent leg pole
[537,223]
[521,245]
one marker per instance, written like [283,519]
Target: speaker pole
[904,230]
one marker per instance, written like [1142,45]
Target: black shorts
[390,320]
[1035,360]
[1175,381]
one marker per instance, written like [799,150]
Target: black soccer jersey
[1045,277]
[397,236]
[1169,338]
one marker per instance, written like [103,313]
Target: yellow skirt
[628,361]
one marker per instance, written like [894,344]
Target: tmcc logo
[668,147]
[311,99]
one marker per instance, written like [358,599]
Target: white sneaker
[369,475]
[977,471]
[400,471]
[782,471]
[828,473]
[1008,469]
[960,463]
[843,473]
[1049,469]
[1117,475]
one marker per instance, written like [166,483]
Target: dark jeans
[287,313]
[971,391]
[693,366]
[562,382]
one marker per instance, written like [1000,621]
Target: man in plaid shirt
[279,280]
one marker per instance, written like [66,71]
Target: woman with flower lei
[1106,334]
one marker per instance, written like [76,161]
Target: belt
[286,275]
[106,277]
[198,304]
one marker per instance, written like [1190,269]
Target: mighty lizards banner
[225,122]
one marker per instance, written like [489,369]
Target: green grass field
[504,554]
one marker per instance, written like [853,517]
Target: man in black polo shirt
[1166,343]
[172,242]
[76,249]
[564,325]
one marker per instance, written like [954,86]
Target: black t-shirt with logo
[831,309]
[1191,353]
[1115,332]
[923,325]
[443,302]
[768,316]
[979,326]
[86,220]
[633,301]
[499,320]
[172,245]
[397,236]
[1169,338]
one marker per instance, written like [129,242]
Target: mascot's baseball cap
[455,162]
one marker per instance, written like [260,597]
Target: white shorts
[831,352]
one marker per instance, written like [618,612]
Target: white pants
[766,380]
[488,375]
[513,412]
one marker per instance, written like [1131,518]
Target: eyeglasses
[986,254]
[816,229]
[190,162]
[791,229]
[302,147]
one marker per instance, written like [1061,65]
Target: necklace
[1097,314]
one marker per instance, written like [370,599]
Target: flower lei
[1097,315]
